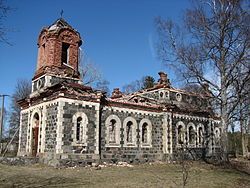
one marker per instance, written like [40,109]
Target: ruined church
[65,120]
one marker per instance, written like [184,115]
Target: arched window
[217,136]
[112,130]
[191,135]
[65,53]
[145,127]
[80,122]
[200,135]
[180,133]
[130,126]
[144,133]
[112,125]
[129,132]
[78,128]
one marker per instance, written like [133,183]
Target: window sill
[130,145]
[146,145]
[199,146]
[112,145]
[79,144]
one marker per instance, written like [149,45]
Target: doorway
[35,132]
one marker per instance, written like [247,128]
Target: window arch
[78,128]
[112,132]
[80,121]
[145,132]
[200,134]
[217,136]
[129,125]
[35,133]
[180,132]
[191,134]
[113,126]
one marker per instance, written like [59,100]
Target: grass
[144,175]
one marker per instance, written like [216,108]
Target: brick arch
[117,130]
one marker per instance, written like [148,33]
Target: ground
[144,175]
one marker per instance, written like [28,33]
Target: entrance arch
[35,133]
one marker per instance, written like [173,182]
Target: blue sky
[118,36]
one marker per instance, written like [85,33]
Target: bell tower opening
[65,53]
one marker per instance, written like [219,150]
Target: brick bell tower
[58,56]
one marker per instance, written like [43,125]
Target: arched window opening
[217,136]
[180,135]
[200,133]
[112,127]
[65,53]
[191,136]
[129,132]
[144,133]
[78,128]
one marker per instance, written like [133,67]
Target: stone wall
[192,151]
[89,146]
[51,127]
[123,152]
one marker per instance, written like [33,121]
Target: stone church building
[63,119]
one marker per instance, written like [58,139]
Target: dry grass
[146,175]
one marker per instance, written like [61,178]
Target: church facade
[63,119]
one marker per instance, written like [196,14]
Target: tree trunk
[224,119]
[242,136]
[224,139]
[245,137]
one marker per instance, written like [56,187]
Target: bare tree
[144,83]
[195,88]
[89,72]
[22,90]
[132,87]
[241,113]
[4,10]
[103,85]
[211,46]
[91,75]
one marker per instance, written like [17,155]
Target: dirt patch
[242,165]
[144,175]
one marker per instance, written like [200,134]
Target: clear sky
[118,36]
